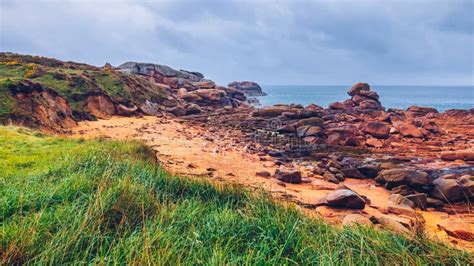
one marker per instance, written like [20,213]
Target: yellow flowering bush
[31,70]
[11,63]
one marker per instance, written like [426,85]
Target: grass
[111,84]
[61,86]
[7,102]
[67,201]
[12,71]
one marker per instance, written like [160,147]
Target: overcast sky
[271,42]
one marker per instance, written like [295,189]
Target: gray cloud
[272,42]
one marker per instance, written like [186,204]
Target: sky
[389,42]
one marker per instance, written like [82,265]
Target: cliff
[42,92]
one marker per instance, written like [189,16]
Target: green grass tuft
[7,102]
[112,85]
[12,71]
[66,201]
[49,80]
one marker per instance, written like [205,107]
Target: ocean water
[439,97]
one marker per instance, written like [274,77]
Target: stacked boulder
[362,99]
[345,129]
[359,122]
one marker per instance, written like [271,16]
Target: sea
[400,97]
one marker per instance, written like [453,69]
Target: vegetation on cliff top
[72,81]
[101,201]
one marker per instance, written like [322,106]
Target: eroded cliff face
[248,87]
[33,88]
[39,107]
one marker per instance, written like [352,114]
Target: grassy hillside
[74,82]
[76,201]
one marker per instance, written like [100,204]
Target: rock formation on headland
[161,73]
[248,87]
[193,93]
[47,93]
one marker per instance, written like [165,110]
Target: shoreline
[393,96]
[188,149]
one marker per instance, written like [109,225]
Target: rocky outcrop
[189,87]
[195,73]
[160,73]
[401,149]
[248,87]
[353,123]
[333,136]
[209,98]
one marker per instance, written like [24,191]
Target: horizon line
[334,85]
